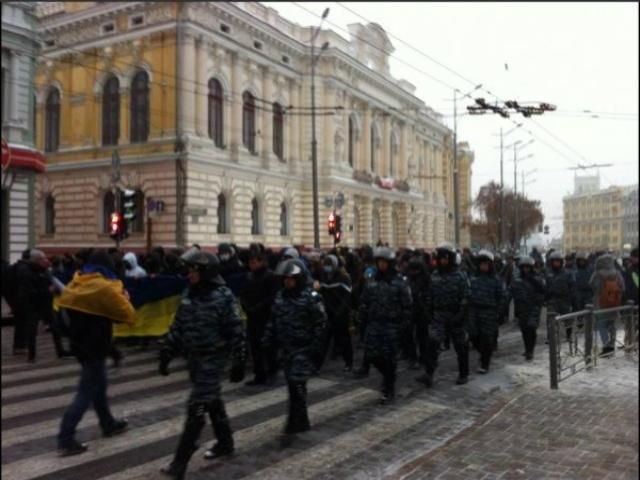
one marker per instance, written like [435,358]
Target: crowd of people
[290,310]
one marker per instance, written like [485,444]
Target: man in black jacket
[90,303]
[256,299]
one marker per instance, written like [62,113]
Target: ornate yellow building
[207,105]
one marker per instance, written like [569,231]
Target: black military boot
[222,431]
[298,420]
[188,442]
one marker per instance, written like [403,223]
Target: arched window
[50,215]
[108,207]
[140,107]
[393,152]
[111,111]
[352,141]
[137,225]
[284,221]
[255,217]
[278,130]
[249,121]
[223,226]
[52,121]
[215,112]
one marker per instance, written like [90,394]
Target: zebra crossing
[347,421]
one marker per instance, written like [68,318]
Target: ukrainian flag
[156,300]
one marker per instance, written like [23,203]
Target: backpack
[610,294]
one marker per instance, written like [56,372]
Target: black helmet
[447,250]
[206,263]
[384,253]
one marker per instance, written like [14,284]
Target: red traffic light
[115,225]
[331,224]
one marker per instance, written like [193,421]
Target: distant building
[20,160]
[630,217]
[465,161]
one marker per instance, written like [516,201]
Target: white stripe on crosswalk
[125,409]
[251,437]
[308,463]
[57,401]
[66,366]
[44,386]
[49,462]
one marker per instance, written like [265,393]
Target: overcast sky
[578,56]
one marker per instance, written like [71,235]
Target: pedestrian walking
[297,329]
[528,292]
[385,309]
[486,307]
[608,289]
[206,330]
[90,303]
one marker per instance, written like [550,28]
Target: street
[506,424]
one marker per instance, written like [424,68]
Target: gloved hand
[237,373]
[163,367]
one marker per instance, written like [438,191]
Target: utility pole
[525,175]
[515,196]
[314,141]
[501,221]
[456,211]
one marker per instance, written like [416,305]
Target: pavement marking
[44,386]
[59,401]
[135,407]
[67,366]
[308,463]
[49,462]
[251,437]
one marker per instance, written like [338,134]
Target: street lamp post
[516,243]
[314,141]
[529,182]
[501,219]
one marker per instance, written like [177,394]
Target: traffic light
[338,232]
[129,211]
[546,229]
[331,224]
[116,226]
[337,236]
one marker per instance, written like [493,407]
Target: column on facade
[267,116]
[327,147]
[365,157]
[385,222]
[293,124]
[187,92]
[365,215]
[236,104]
[125,114]
[202,90]
[403,223]
[385,158]
[14,114]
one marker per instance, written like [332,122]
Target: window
[140,107]
[52,121]
[49,43]
[108,207]
[108,28]
[278,130]
[352,141]
[249,122]
[373,149]
[50,215]
[257,45]
[285,59]
[392,155]
[215,112]
[225,28]
[111,111]
[284,224]
[255,217]
[222,214]
[136,21]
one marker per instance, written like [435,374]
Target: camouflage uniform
[206,328]
[486,306]
[528,295]
[449,295]
[386,307]
[297,328]
[584,290]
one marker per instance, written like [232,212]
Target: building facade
[20,160]
[593,219]
[207,105]
[630,217]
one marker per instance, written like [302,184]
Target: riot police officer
[297,328]
[385,309]
[449,295]
[206,328]
[528,291]
[561,292]
[486,306]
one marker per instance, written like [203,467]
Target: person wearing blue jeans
[88,305]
